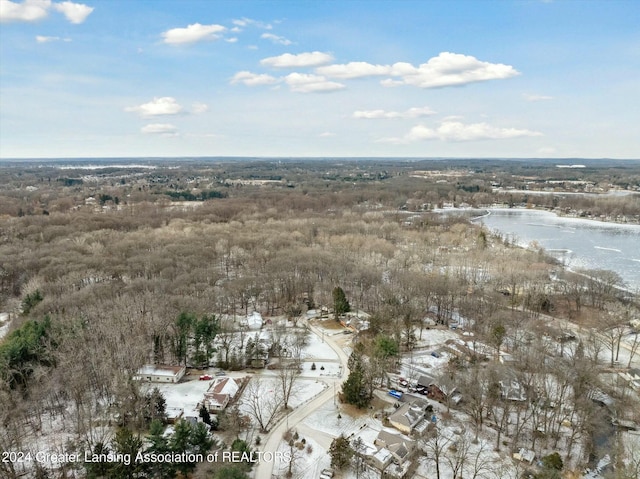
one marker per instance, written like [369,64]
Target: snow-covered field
[307,462]
[304,390]
[433,338]
[330,369]
[325,419]
[185,395]
[319,350]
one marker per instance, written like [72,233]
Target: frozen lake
[578,242]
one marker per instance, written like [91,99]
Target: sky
[398,78]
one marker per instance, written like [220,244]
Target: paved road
[264,470]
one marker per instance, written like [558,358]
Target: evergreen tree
[234,471]
[204,415]
[127,444]
[205,330]
[100,469]
[184,323]
[159,444]
[340,303]
[356,388]
[340,452]
[155,406]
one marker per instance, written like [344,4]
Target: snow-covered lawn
[330,369]
[434,338]
[318,350]
[307,462]
[185,395]
[304,390]
[325,419]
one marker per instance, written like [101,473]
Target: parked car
[221,373]
[206,377]
[326,474]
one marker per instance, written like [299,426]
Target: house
[512,390]
[400,446]
[460,349]
[253,321]
[173,414]
[220,393]
[525,455]
[389,454]
[632,377]
[410,417]
[160,373]
[381,459]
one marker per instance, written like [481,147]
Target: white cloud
[159,129]
[288,60]
[231,40]
[458,131]
[306,83]
[34,10]
[74,12]
[327,134]
[198,107]
[354,70]
[276,39]
[382,114]
[27,11]
[451,69]
[253,79]
[246,22]
[44,39]
[192,33]
[537,97]
[297,82]
[158,106]
[447,69]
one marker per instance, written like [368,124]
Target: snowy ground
[325,419]
[434,338]
[307,462]
[318,350]
[330,369]
[304,390]
[4,324]
[185,395]
[318,430]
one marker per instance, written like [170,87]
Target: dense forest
[105,270]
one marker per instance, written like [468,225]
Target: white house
[220,393]
[253,321]
[160,373]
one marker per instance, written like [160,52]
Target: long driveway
[264,470]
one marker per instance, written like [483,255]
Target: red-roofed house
[220,393]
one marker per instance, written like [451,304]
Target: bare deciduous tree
[263,400]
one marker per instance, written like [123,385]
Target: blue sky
[527,78]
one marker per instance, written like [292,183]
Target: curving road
[264,470]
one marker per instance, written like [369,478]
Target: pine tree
[340,303]
[355,389]
[340,452]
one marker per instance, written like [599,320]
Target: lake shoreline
[559,214]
